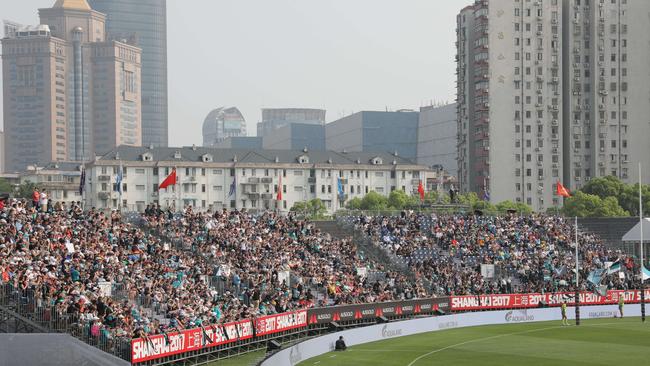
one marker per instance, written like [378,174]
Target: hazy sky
[340,55]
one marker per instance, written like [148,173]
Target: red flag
[562,191]
[421,191]
[169,181]
[279,197]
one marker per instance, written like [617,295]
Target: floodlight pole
[642,266]
[577,295]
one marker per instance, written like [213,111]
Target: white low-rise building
[209,178]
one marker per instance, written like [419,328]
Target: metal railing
[54,316]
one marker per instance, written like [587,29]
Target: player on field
[565,320]
[621,302]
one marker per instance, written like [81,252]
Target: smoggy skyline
[338,55]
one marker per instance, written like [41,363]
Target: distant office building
[144,24]
[296,136]
[274,118]
[2,152]
[393,132]
[438,137]
[68,93]
[241,142]
[551,91]
[222,123]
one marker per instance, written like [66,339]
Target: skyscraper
[68,93]
[606,90]
[144,23]
[273,118]
[544,96]
[222,123]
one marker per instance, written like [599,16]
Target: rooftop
[252,156]
[72,4]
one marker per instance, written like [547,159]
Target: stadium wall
[318,346]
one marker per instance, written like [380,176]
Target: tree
[435,198]
[629,198]
[26,189]
[471,199]
[520,207]
[300,207]
[5,186]
[398,200]
[314,209]
[588,205]
[354,204]
[374,201]
[604,187]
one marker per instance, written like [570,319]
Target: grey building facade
[371,131]
[545,94]
[241,142]
[144,23]
[296,136]
[437,138]
[274,118]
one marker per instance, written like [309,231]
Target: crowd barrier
[522,301]
[317,346]
[266,327]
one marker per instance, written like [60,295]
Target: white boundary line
[493,337]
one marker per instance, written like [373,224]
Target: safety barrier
[317,346]
[521,301]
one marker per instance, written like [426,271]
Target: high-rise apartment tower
[544,96]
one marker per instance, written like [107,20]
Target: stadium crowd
[532,253]
[172,271]
[160,271]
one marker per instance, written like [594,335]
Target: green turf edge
[595,343]
[247,359]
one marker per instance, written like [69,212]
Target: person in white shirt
[43,201]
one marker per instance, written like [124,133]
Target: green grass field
[595,342]
[249,359]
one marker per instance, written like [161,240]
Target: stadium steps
[332,228]
[610,230]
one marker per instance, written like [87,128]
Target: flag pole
[577,295]
[641,244]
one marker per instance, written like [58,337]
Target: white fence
[318,346]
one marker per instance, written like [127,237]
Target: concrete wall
[242,142]
[437,137]
[375,131]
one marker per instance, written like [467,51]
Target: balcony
[266,180]
[267,196]
[253,195]
[104,178]
[311,180]
[253,180]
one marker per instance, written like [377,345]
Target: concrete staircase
[332,228]
[610,230]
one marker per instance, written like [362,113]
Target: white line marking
[492,337]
